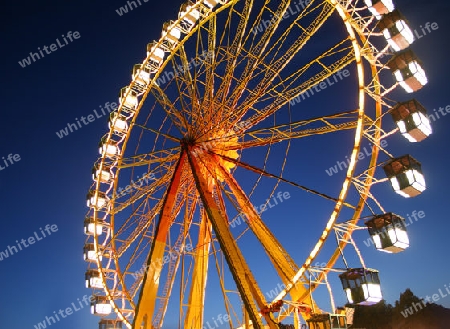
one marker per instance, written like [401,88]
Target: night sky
[43,191]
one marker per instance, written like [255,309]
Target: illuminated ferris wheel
[220,117]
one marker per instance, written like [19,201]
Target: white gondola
[156,54]
[92,226]
[100,305]
[93,279]
[171,32]
[110,324]
[118,123]
[128,99]
[211,3]
[388,232]
[104,175]
[190,14]
[396,30]
[380,7]
[405,175]
[89,254]
[408,71]
[96,199]
[326,320]
[362,286]
[412,120]
[109,147]
[141,75]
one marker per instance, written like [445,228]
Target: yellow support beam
[246,284]
[195,311]
[147,298]
[280,258]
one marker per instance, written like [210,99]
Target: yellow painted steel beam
[206,108]
[282,261]
[165,295]
[195,311]
[147,298]
[246,284]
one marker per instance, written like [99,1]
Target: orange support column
[148,294]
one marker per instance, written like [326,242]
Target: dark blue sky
[49,183]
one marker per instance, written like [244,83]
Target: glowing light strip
[353,159]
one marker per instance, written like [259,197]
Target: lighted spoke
[303,128]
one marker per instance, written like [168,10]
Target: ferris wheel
[236,103]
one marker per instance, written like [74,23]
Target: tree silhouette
[409,312]
[378,316]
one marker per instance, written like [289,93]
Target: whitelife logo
[337,77]
[341,165]
[293,10]
[71,127]
[131,5]
[52,319]
[48,50]
[424,302]
[159,263]
[12,160]
[261,208]
[11,250]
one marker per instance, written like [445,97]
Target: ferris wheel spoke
[185,81]
[145,159]
[176,116]
[139,225]
[258,47]
[139,216]
[343,50]
[258,50]
[283,97]
[210,67]
[286,91]
[140,210]
[299,129]
[234,49]
[211,107]
[140,192]
[267,174]
[306,33]
[142,245]
[275,66]
[139,249]
[158,133]
[143,223]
